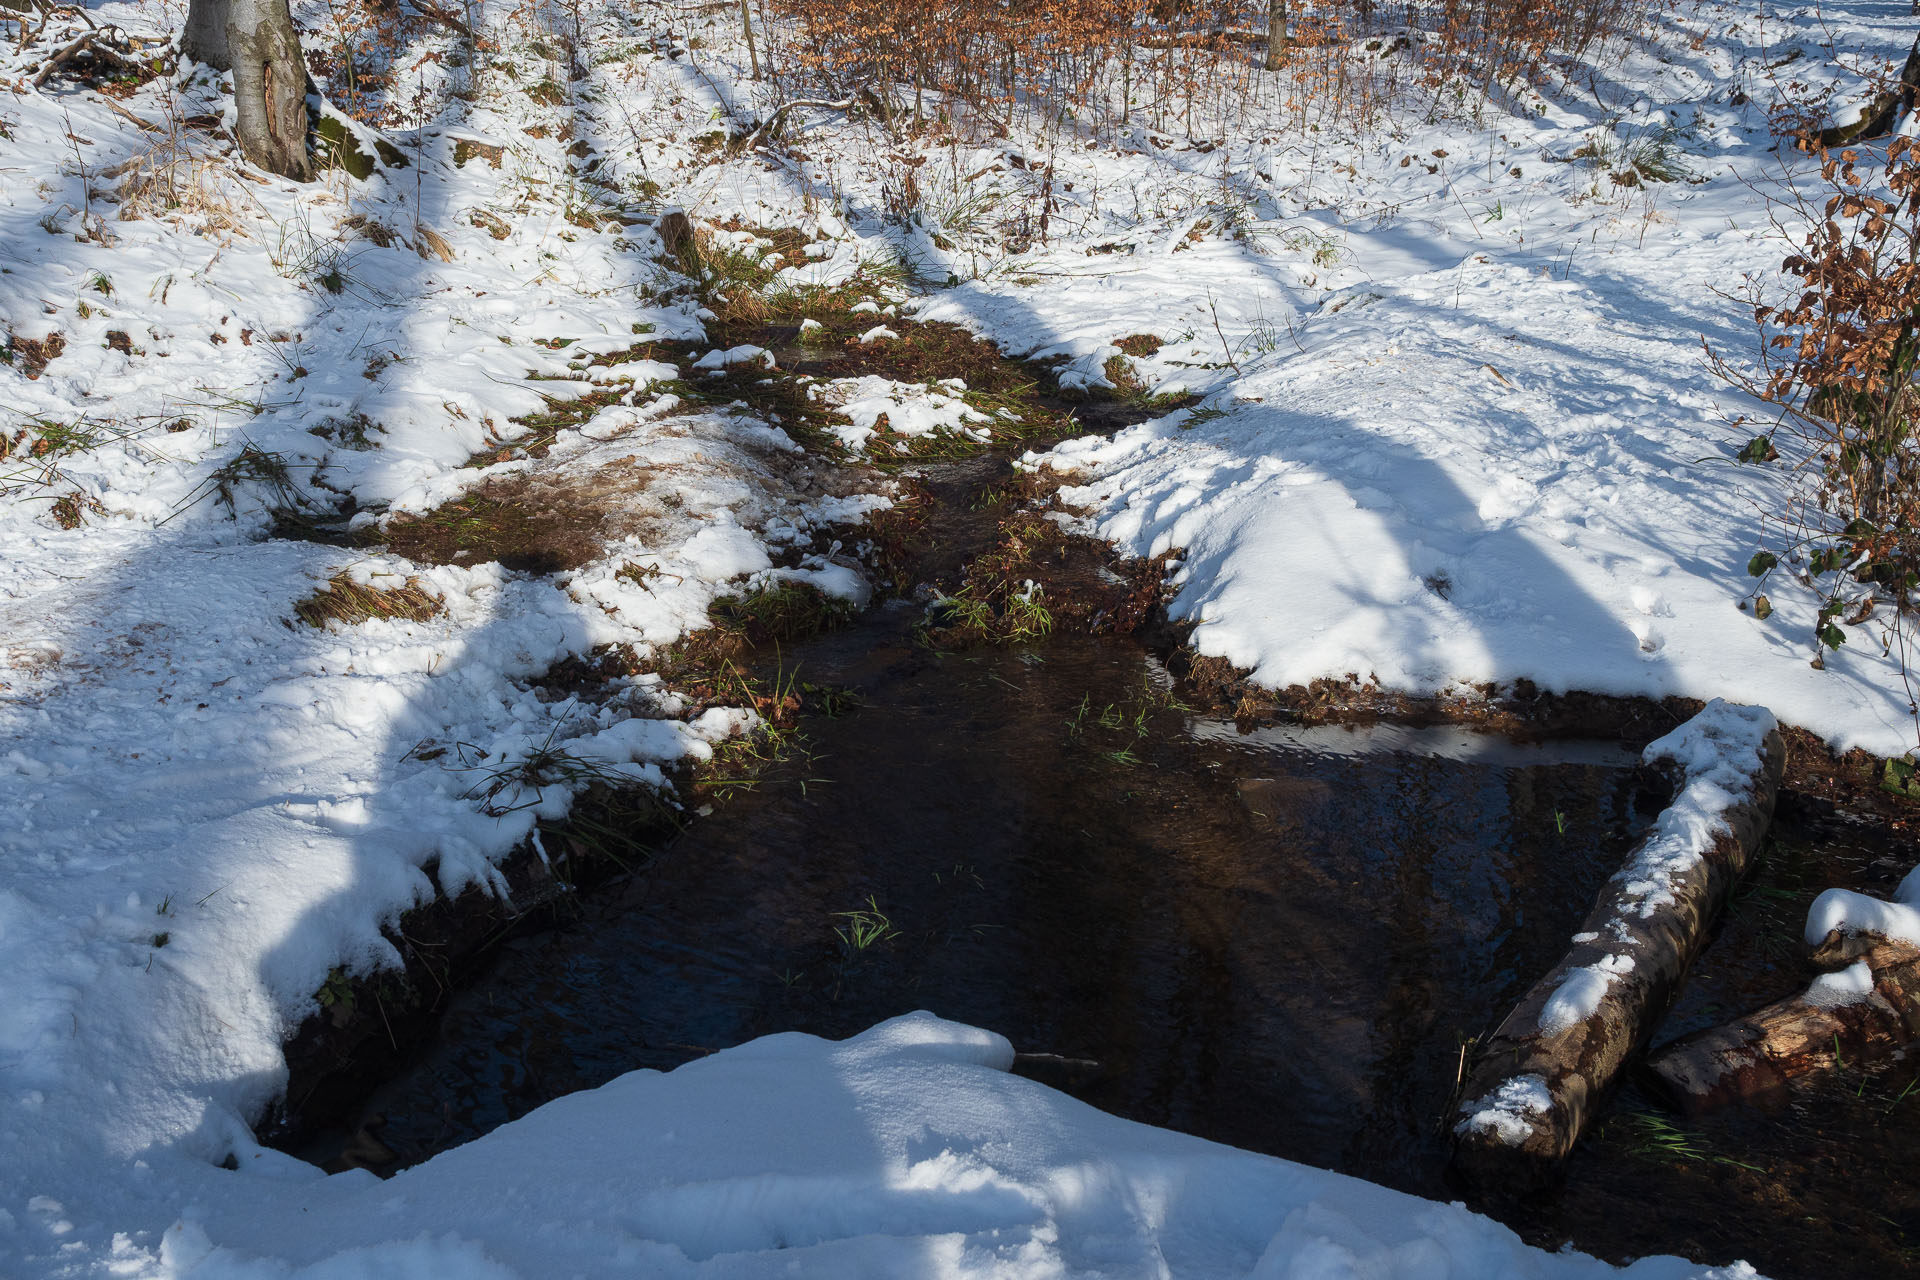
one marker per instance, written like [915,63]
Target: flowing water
[1279,939]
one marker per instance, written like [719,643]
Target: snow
[1450,434]
[1851,985]
[1719,752]
[1504,1112]
[746,353]
[908,409]
[1851,913]
[906,1150]
[1578,996]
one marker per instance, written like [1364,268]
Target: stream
[1275,937]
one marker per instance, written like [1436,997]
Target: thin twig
[52,64]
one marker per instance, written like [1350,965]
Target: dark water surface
[1278,939]
[1274,940]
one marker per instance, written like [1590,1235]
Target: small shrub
[782,610]
[1838,362]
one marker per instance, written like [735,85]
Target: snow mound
[904,1151]
[1851,912]
[905,408]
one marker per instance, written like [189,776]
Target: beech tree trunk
[204,38]
[1277,33]
[1544,1074]
[269,87]
[1758,1055]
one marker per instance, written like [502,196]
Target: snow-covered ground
[1454,431]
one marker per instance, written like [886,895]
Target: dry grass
[350,603]
[171,181]
[529,524]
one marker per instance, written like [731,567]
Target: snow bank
[904,1151]
[1456,426]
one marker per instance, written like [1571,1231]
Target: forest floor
[317,497]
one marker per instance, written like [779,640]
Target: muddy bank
[1819,783]
[1012,794]
[1270,946]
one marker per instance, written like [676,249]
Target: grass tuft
[349,603]
[780,610]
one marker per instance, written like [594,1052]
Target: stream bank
[1181,900]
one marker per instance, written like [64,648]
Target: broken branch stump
[1864,1005]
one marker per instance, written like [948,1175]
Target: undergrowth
[780,610]
[349,603]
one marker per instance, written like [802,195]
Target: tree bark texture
[1759,1055]
[1276,34]
[204,37]
[1543,1075]
[269,87]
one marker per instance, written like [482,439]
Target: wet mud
[1181,907]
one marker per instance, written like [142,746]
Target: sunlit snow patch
[909,409]
[1504,1112]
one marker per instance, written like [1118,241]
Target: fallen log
[1542,1076]
[60,57]
[770,127]
[1864,1005]
[1883,112]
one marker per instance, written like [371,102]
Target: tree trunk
[1277,34]
[1851,1016]
[269,87]
[204,38]
[1544,1074]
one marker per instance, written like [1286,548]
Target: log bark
[1544,1074]
[1848,1016]
[269,87]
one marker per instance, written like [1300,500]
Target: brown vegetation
[1172,56]
[349,603]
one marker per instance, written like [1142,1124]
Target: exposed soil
[526,524]
[1189,900]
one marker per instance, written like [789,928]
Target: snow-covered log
[1541,1077]
[1865,1005]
